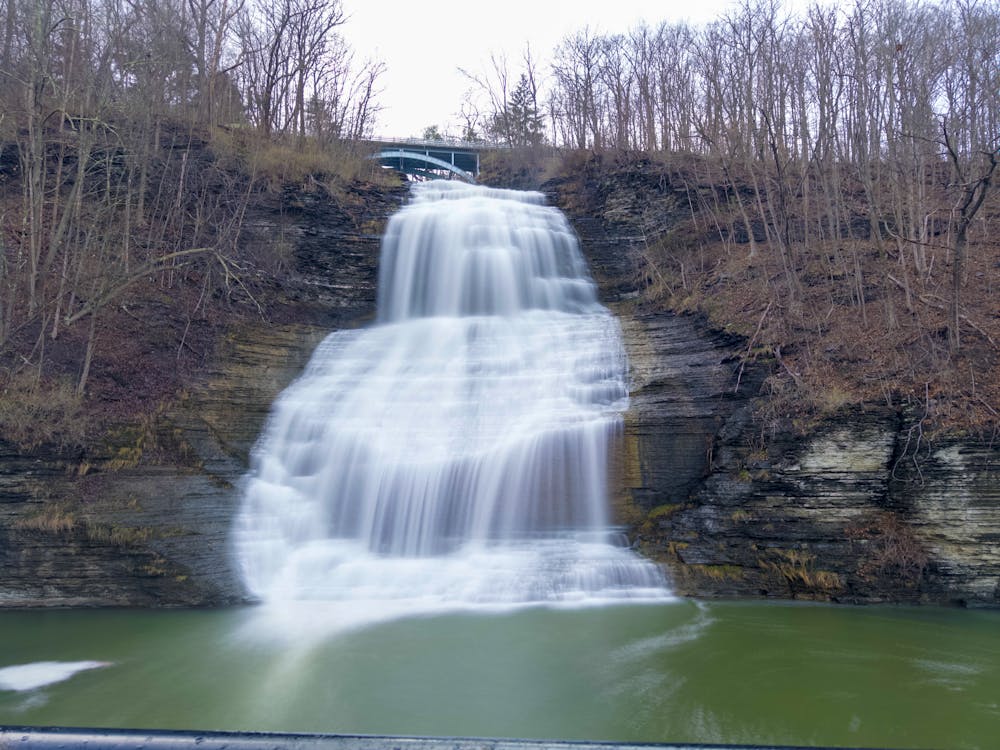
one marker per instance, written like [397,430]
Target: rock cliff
[853,507]
[857,507]
[144,518]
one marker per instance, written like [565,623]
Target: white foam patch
[39,674]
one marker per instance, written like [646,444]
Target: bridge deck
[416,155]
[438,144]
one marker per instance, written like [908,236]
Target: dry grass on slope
[846,323]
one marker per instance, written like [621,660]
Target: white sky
[424,42]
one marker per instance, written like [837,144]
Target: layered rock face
[857,510]
[856,507]
[835,515]
[144,519]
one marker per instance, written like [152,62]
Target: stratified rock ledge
[856,509]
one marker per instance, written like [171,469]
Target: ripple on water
[684,633]
[953,676]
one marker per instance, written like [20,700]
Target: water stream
[453,455]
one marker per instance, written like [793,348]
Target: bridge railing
[446,142]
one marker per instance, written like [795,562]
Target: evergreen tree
[519,124]
[522,111]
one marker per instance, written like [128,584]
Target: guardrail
[66,738]
[445,143]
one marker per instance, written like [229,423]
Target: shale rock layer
[855,507]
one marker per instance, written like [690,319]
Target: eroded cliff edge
[855,507]
[858,505]
[143,517]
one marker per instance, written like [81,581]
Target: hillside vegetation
[824,183]
[134,135]
[127,292]
[840,322]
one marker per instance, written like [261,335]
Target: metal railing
[444,143]
[65,738]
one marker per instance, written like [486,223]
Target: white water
[455,454]
[39,674]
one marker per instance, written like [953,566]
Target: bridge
[432,159]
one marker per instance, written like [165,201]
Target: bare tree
[264,32]
[972,182]
[488,96]
[577,95]
[970,130]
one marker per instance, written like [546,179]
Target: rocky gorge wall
[851,510]
[857,506]
[144,518]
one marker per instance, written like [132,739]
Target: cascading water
[454,455]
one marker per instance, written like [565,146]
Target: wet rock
[144,519]
[854,508]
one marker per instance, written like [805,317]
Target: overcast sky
[423,43]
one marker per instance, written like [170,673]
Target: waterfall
[455,454]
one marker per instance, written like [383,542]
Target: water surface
[683,671]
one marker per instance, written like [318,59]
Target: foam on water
[455,454]
[39,674]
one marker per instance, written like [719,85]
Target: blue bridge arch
[431,159]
